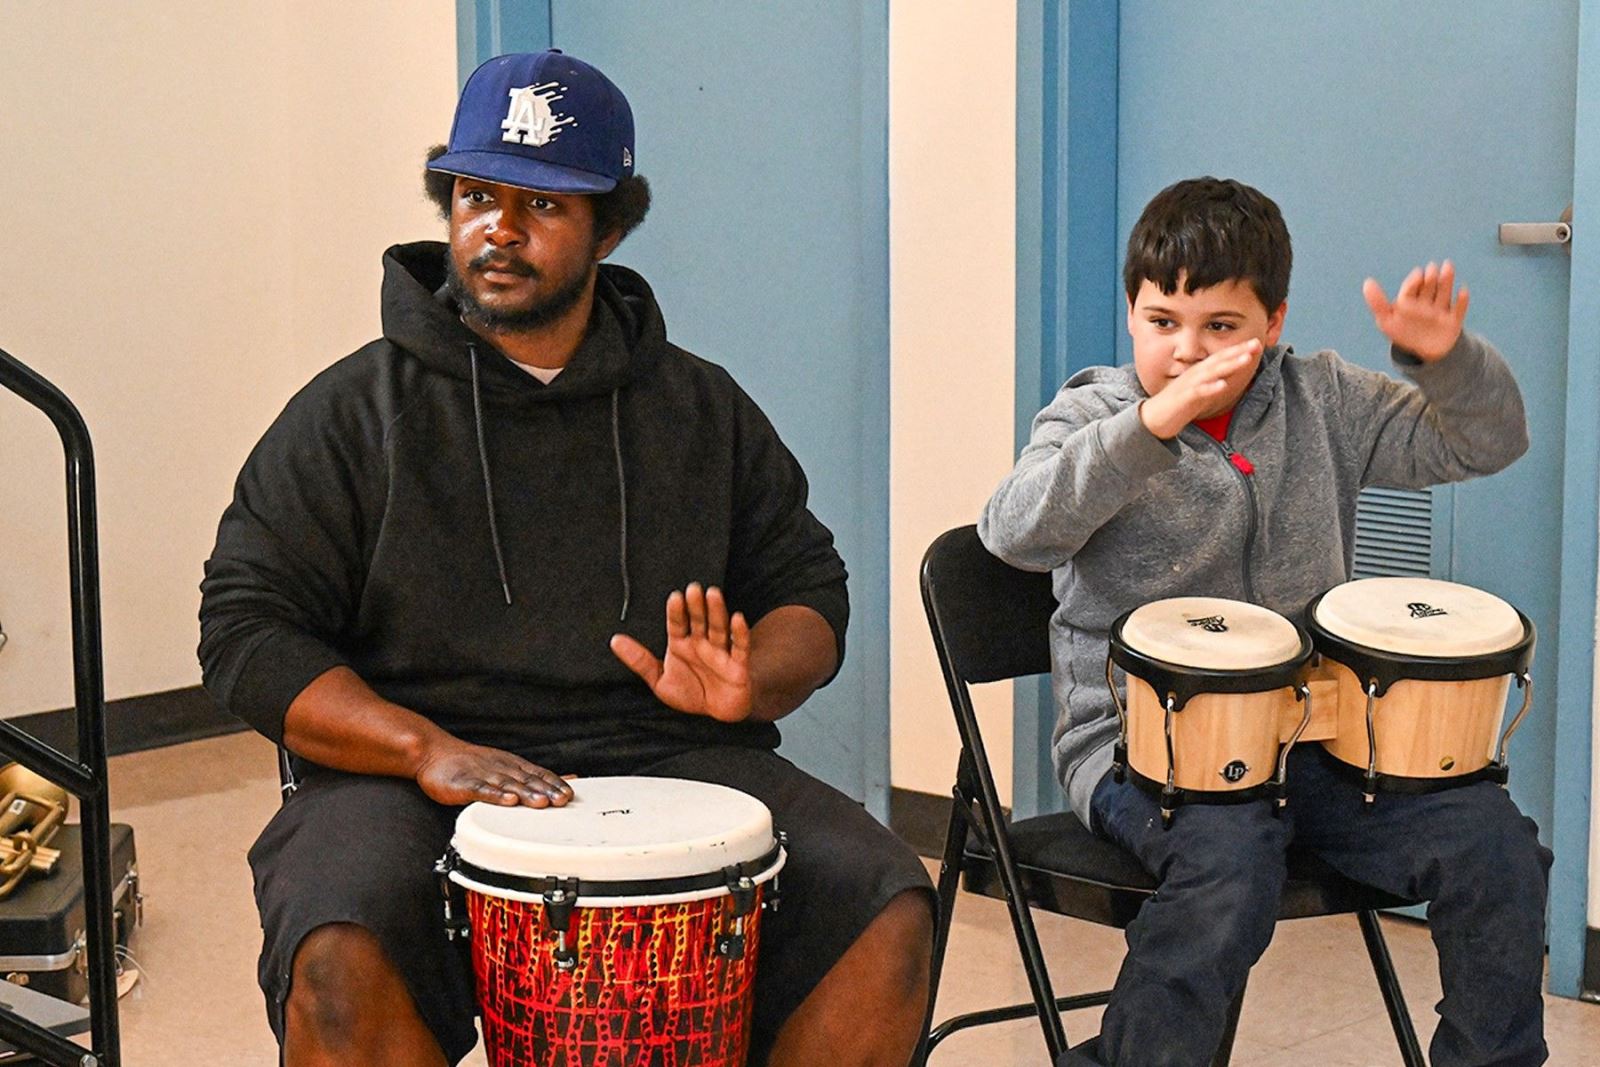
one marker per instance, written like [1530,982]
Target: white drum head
[630,829]
[1211,633]
[1419,617]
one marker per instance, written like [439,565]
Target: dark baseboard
[1589,988]
[138,723]
[920,819]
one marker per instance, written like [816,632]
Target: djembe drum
[621,930]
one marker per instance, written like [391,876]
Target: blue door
[1389,134]
[762,129]
[1386,146]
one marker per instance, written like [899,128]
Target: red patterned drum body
[621,930]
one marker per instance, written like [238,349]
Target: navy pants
[1221,868]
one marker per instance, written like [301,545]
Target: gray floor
[196,808]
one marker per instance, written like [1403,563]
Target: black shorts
[359,849]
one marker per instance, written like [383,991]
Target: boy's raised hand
[1197,392]
[1426,316]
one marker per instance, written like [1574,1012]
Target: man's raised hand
[707,667]
[1426,316]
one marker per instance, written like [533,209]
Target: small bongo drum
[619,930]
[1423,668]
[1209,684]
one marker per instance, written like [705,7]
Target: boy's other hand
[1426,316]
[1199,392]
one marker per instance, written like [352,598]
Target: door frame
[1067,257]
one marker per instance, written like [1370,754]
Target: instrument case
[42,923]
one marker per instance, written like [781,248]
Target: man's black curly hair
[617,212]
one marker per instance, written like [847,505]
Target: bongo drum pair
[1403,680]
[621,930]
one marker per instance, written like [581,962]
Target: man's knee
[341,974]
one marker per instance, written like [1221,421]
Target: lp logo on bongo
[1214,624]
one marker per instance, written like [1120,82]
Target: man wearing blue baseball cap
[447,573]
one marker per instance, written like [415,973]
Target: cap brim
[506,168]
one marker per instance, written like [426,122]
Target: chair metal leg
[1229,1032]
[1011,1013]
[1044,998]
[955,843]
[1394,1000]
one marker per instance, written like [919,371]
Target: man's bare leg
[868,1010]
[349,1007]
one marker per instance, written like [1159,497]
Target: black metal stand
[86,776]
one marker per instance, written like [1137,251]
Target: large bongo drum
[1210,682]
[1423,669]
[621,930]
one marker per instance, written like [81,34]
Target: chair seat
[1068,870]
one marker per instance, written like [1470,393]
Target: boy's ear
[1275,323]
[1130,314]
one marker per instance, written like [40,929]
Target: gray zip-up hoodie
[1122,518]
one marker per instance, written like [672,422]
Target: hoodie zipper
[1242,469]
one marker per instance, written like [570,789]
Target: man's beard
[541,313]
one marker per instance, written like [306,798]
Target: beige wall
[952,200]
[193,205]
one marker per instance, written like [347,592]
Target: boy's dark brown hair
[1210,230]
[619,211]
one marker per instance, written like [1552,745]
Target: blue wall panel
[1580,528]
[763,131]
[1067,264]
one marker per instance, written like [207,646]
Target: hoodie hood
[625,339]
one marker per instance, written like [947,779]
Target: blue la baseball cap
[541,120]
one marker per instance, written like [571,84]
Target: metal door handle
[1538,233]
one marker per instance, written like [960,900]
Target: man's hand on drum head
[707,667]
[1426,316]
[457,773]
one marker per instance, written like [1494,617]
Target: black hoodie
[362,532]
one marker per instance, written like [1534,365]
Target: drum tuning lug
[453,928]
[566,959]
[742,889]
[559,900]
[730,946]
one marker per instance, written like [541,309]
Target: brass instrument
[31,811]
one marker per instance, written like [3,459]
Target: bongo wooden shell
[1222,742]
[1424,729]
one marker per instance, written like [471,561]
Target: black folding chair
[990,622]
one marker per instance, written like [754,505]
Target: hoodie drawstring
[488,488]
[622,498]
[483,463]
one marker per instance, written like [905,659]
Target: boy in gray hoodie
[1221,464]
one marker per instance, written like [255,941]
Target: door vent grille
[1394,533]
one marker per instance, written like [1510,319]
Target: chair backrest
[990,620]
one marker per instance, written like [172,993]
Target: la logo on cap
[530,119]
